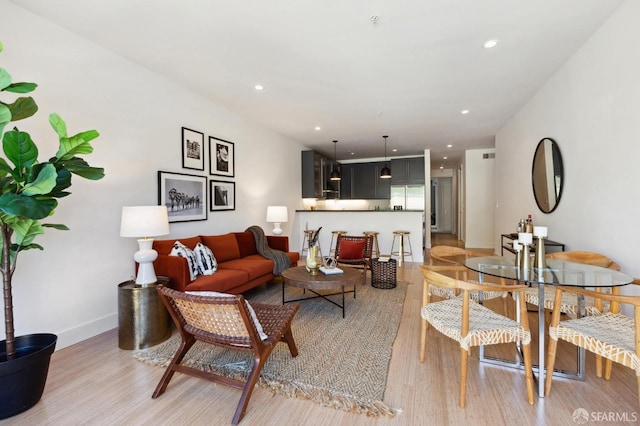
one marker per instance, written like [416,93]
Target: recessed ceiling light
[449,146]
[490,44]
[441,167]
[444,158]
[258,87]
[394,150]
[464,111]
[318,128]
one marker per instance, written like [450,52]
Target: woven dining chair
[230,322]
[569,304]
[355,250]
[451,255]
[472,324]
[613,336]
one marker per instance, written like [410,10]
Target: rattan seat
[227,322]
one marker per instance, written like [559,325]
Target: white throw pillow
[207,263]
[261,332]
[181,250]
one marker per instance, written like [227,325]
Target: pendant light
[385,173]
[335,174]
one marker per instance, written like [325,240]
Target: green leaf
[5,168]
[29,207]
[5,117]
[76,145]
[58,125]
[5,79]
[21,87]
[26,231]
[44,183]
[20,149]
[58,226]
[23,108]
[81,168]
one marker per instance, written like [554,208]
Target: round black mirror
[547,175]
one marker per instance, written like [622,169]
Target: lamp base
[276,229]
[145,257]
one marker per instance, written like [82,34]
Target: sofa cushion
[181,250]
[224,247]
[165,246]
[254,265]
[261,332]
[246,243]
[223,280]
[207,263]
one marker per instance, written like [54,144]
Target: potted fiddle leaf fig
[29,193]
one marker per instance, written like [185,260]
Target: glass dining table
[557,272]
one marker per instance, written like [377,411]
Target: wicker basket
[383,274]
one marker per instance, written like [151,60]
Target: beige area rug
[342,363]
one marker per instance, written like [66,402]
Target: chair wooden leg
[608,366]
[526,351]
[464,362]
[551,361]
[598,366]
[185,345]
[288,337]
[423,338]
[258,363]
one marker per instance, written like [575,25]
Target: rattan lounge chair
[226,322]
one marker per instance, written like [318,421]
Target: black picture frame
[222,157]
[222,195]
[192,149]
[184,195]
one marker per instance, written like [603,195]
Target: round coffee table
[300,278]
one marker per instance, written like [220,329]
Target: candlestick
[525,238]
[540,259]
[540,231]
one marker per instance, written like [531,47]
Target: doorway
[442,214]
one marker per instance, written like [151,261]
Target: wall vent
[489,155]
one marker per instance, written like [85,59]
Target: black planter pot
[22,379]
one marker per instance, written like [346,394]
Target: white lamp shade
[144,221]
[277,214]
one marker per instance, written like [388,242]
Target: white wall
[590,107]
[70,287]
[480,199]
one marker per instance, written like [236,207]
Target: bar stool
[308,234]
[375,250]
[334,236]
[402,250]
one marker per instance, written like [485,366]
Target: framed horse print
[184,195]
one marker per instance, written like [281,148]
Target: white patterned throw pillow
[261,332]
[207,263]
[181,250]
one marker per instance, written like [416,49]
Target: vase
[312,260]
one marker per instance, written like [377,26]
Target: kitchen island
[357,221]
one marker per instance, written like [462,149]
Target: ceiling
[358,69]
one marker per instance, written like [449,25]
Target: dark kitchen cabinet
[316,170]
[362,181]
[407,171]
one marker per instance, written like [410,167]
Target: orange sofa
[240,267]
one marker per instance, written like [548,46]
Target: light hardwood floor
[96,383]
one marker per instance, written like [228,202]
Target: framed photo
[222,155]
[192,149]
[222,195]
[184,195]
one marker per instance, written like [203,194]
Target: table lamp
[277,215]
[143,222]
